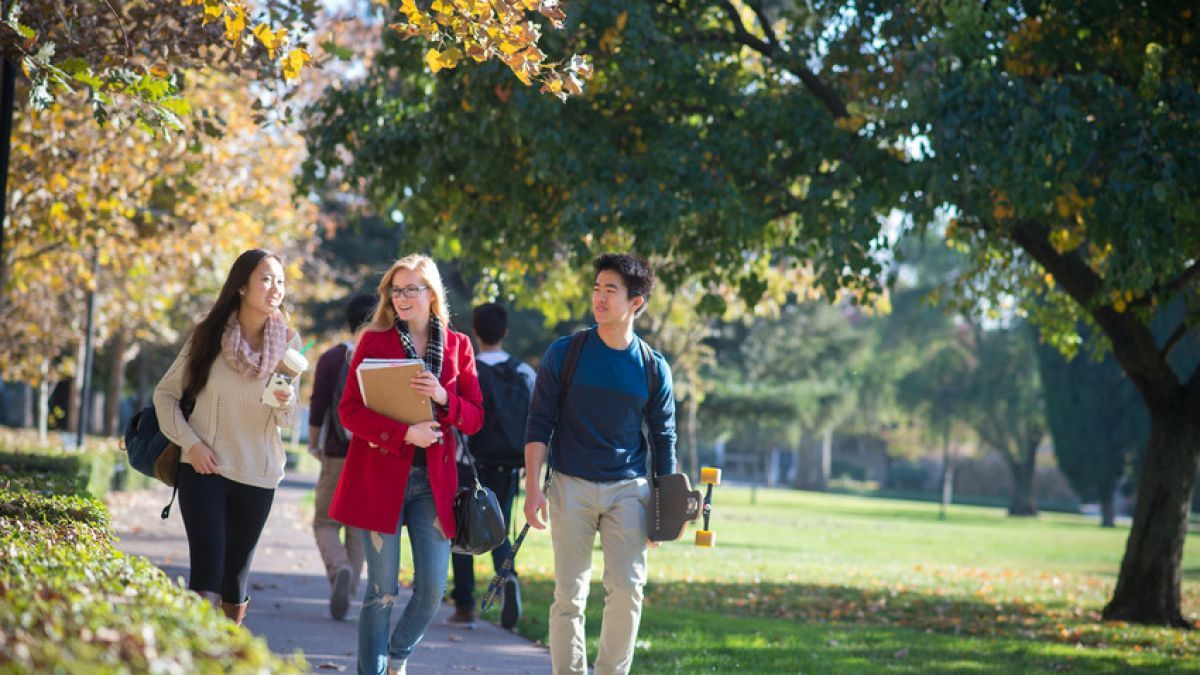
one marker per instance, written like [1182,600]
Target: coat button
[383,436]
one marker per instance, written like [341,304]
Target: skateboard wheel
[705,538]
[710,475]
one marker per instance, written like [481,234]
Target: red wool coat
[370,491]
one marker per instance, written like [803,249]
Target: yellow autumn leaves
[502,29]
[1069,233]
[233,14]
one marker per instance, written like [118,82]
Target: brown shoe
[462,616]
[339,596]
[235,612]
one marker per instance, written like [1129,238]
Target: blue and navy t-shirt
[599,437]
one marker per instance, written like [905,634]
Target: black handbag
[477,516]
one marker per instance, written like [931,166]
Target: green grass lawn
[804,582]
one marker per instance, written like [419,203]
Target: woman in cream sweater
[232,454]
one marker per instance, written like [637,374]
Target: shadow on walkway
[289,604]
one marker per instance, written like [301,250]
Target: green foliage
[701,157]
[1070,117]
[1063,139]
[797,369]
[1098,421]
[1004,396]
[45,471]
[71,602]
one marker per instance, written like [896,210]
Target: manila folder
[386,389]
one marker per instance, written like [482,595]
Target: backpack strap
[570,363]
[652,386]
[186,405]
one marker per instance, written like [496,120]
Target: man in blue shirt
[599,463]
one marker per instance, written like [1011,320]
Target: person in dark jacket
[328,441]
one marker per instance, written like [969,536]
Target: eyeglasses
[407,291]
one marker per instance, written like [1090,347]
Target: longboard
[674,504]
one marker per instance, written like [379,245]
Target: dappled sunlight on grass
[807,582]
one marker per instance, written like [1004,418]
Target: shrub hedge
[70,602]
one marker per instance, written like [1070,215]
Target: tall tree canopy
[1064,138]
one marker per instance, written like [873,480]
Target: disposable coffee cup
[290,366]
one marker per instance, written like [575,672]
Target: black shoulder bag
[479,523]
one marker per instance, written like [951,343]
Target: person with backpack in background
[328,440]
[499,452]
[595,391]
[232,453]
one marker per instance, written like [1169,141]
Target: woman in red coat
[399,474]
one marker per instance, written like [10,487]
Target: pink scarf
[251,364]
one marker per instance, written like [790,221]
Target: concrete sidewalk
[290,596]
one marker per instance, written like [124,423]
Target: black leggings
[223,520]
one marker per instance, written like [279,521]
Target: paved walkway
[290,596]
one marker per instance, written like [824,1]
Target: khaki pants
[578,509]
[334,553]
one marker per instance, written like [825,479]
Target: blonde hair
[423,265]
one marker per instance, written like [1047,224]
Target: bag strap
[570,363]
[186,405]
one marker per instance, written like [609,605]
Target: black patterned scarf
[433,348]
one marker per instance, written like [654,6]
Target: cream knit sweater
[229,418]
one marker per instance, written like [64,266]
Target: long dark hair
[206,336]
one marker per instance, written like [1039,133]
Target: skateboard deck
[673,504]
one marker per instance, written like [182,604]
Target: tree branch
[121,25]
[1133,344]
[1174,339]
[824,93]
[765,22]
[1171,287]
[34,254]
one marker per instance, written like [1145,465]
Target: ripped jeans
[431,561]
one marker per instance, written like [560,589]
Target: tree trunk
[1024,471]
[798,459]
[43,403]
[693,436]
[145,391]
[27,405]
[947,474]
[1108,509]
[76,390]
[1148,588]
[117,350]
[826,457]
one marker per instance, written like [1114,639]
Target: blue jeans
[431,560]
